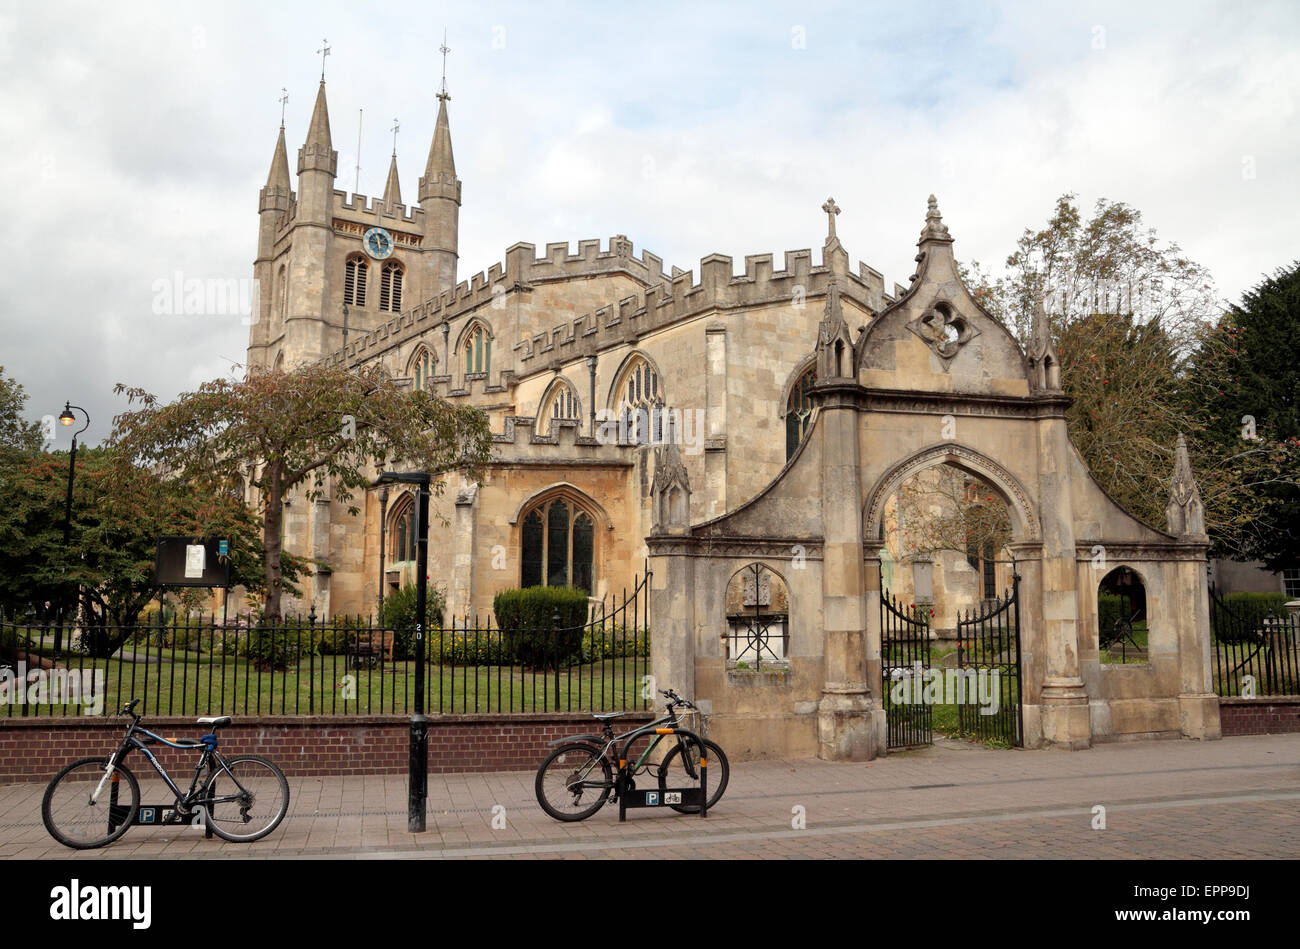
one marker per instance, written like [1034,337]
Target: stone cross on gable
[831,210]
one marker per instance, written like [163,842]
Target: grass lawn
[190,683]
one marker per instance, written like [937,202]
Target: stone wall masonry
[35,749]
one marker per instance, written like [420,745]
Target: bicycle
[578,777]
[242,799]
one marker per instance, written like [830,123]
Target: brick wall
[34,749]
[1262,716]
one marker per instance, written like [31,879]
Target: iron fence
[1256,652]
[196,665]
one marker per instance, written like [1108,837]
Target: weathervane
[283,100]
[324,51]
[444,49]
[396,126]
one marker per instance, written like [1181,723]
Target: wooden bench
[370,646]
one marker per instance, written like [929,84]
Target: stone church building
[708,424]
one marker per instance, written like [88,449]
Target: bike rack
[659,798]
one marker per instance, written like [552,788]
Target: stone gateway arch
[931,380]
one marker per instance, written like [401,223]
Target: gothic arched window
[478,351]
[562,404]
[798,413]
[390,288]
[402,533]
[558,541]
[422,368]
[641,403]
[354,281]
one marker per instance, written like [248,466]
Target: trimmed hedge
[1111,607]
[527,620]
[1245,614]
[399,616]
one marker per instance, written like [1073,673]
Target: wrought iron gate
[988,671]
[904,657]
[1255,651]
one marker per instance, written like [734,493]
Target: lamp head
[67,418]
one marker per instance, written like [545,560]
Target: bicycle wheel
[246,799]
[674,773]
[76,821]
[574,782]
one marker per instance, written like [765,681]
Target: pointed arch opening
[637,398]
[758,619]
[390,287]
[422,367]
[355,272]
[561,403]
[475,348]
[557,542]
[798,410]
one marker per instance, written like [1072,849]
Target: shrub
[527,619]
[463,648]
[1111,607]
[614,641]
[399,616]
[273,647]
[1244,617]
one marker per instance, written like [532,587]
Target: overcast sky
[136,137]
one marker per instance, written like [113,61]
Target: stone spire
[278,178]
[392,190]
[1044,366]
[442,164]
[670,491]
[317,153]
[834,344]
[319,131]
[1184,514]
[935,229]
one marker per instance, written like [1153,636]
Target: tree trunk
[272,518]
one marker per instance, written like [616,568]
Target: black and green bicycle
[587,771]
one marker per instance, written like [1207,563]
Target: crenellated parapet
[365,207]
[667,298]
[518,443]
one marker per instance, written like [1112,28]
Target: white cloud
[138,138]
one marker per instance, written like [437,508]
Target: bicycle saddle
[606,716]
[216,721]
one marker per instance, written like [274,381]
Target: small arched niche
[1122,633]
[758,620]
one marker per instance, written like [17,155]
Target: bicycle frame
[610,742]
[210,758]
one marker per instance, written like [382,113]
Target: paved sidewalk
[1164,799]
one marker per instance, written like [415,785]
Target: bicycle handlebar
[676,699]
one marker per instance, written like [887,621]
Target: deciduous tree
[324,430]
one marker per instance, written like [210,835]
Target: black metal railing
[988,667]
[905,655]
[196,665]
[1256,652]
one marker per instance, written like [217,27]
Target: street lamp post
[383,544]
[418,760]
[67,418]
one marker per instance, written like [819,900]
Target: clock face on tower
[378,243]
